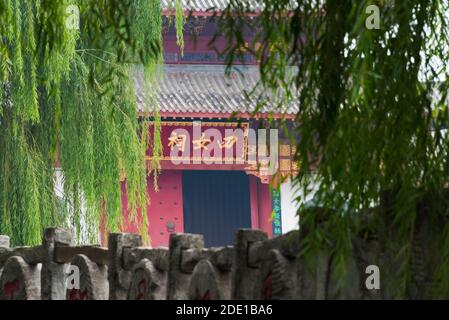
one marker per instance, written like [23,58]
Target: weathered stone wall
[254,268]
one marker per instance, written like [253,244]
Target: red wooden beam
[208,13]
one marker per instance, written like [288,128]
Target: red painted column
[254,201]
[265,208]
[261,205]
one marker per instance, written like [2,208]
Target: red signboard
[206,145]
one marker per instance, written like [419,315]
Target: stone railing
[254,268]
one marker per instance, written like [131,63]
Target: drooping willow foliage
[67,98]
[372,120]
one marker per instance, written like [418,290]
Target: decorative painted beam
[207,13]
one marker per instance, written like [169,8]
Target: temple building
[196,99]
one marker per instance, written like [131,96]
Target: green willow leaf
[67,99]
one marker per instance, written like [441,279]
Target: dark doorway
[216,204]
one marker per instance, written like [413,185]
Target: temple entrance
[216,204]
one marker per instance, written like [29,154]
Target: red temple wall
[165,211]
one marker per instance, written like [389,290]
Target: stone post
[244,273]
[120,278]
[53,275]
[178,281]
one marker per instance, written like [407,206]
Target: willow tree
[372,123]
[67,98]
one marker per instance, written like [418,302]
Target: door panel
[165,214]
[216,204]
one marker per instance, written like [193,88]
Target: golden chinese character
[177,140]
[285,150]
[201,143]
[285,165]
[295,166]
[228,142]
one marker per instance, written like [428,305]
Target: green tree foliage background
[67,94]
[371,127]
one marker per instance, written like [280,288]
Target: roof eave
[212,115]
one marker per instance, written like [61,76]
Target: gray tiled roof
[204,5]
[204,89]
